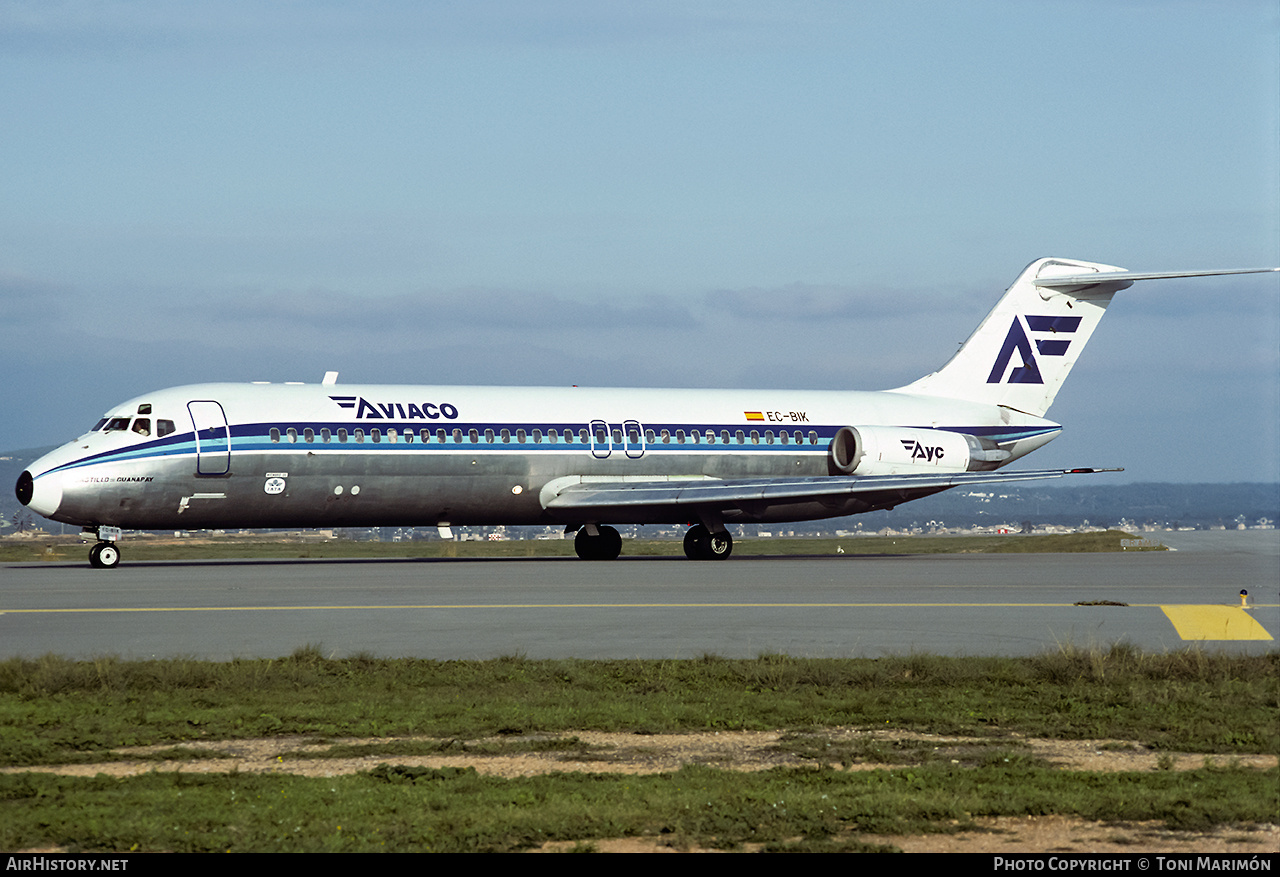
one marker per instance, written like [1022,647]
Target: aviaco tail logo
[1017,341]
[366,410]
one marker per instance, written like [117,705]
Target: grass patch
[56,710]
[53,709]
[396,808]
[847,753]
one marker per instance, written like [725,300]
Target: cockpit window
[142,426]
[97,426]
[164,427]
[117,423]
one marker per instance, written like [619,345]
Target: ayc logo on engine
[922,452]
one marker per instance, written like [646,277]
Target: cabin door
[213,438]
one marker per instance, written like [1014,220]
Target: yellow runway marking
[1215,623]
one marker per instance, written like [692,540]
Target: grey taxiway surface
[842,606]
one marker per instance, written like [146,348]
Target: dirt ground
[625,753]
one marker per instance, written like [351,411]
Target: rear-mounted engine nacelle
[891,450]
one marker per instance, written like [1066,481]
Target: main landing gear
[701,544]
[604,544]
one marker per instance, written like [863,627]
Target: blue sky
[800,194]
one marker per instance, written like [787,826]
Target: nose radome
[42,495]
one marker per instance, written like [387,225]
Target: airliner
[324,455]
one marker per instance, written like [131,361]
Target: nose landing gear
[104,555]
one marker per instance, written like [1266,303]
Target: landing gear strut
[605,545]
[701,544]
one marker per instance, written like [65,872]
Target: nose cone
[42,495]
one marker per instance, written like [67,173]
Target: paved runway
[650,607]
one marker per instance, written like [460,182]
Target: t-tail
[1023,351]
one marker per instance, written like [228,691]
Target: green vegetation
[457,810]
[142,549]
[55,710]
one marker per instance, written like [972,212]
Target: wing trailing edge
[617,498]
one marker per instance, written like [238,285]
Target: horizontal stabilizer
[1111,281]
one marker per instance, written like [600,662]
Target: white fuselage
[328,455]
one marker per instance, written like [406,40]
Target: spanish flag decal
[754,415]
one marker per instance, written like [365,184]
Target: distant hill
[1191,505]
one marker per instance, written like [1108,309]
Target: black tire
[610,543]
[606,546]
[695,541]
[104,555]
[719,546]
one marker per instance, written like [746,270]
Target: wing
[677,499]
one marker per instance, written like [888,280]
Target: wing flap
[691,494]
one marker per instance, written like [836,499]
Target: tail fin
[1023,351]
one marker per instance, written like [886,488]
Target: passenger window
[813,437]
[742,437]
[537,436]
[359,436]
[342,436]
[292,434]
[768,436]
[325,435]
[474,436]
[520,436]
[308,435]
[164,427]
[376,435]
[488,436]
[142,426]
[275,435]
[724,436]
